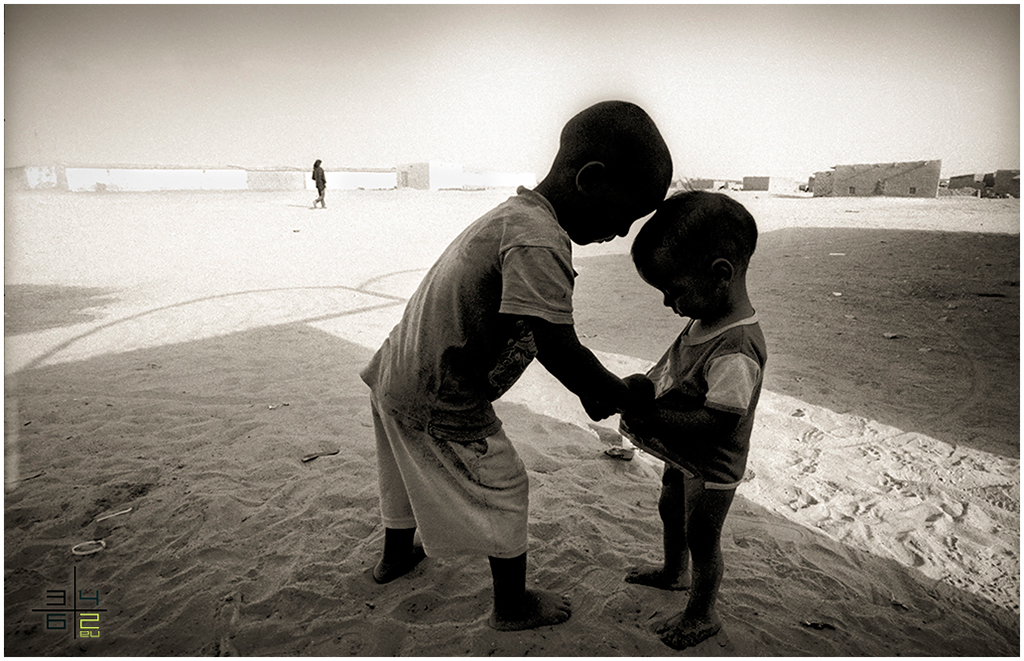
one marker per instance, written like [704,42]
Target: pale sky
[736,90]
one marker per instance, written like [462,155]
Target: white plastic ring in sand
[88,548]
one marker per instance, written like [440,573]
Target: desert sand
[194,357]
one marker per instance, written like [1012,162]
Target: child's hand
[640,395]
[641,392]
[640,409]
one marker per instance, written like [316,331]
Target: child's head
[612,168]
[696,249]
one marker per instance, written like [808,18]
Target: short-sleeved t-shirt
[458,346]
[719,368]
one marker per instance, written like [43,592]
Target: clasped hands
[637,408]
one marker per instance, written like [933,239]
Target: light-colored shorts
[465,498]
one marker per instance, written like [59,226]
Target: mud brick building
[910,179]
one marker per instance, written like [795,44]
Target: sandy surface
[180,354]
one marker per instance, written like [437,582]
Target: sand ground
[180,354]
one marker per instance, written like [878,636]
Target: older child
[695,250]
[500,295]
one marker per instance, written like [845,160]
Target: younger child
[500,295]
[695,250]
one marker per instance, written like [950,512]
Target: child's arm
[578,369]
[673,415]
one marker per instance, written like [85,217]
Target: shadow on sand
[235,540]
[31,308]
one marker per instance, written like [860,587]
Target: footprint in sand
[431,607]
[800,499]
[225,625]
[998,496]
[806,459]
[872,451]
[418,608]
[813,435]
[350,643]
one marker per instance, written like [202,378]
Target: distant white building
[435,175]
[1001,183]
[771,184]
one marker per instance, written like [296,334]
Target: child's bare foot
[388,569]
[657,577]
[681,632]
[539,609]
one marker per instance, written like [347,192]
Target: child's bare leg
[515,607]
[400,556]
[699,621]
[674,574]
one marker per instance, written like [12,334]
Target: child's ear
[590,177]
[722,269]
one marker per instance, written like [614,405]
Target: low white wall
[783,185]
[446,175]
[41,177]
[771,184]
[481,180]
[275,180]
[347,180]
[509,179]
[91,179]
[115,179]
[32,177]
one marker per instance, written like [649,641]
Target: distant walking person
[321,183]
